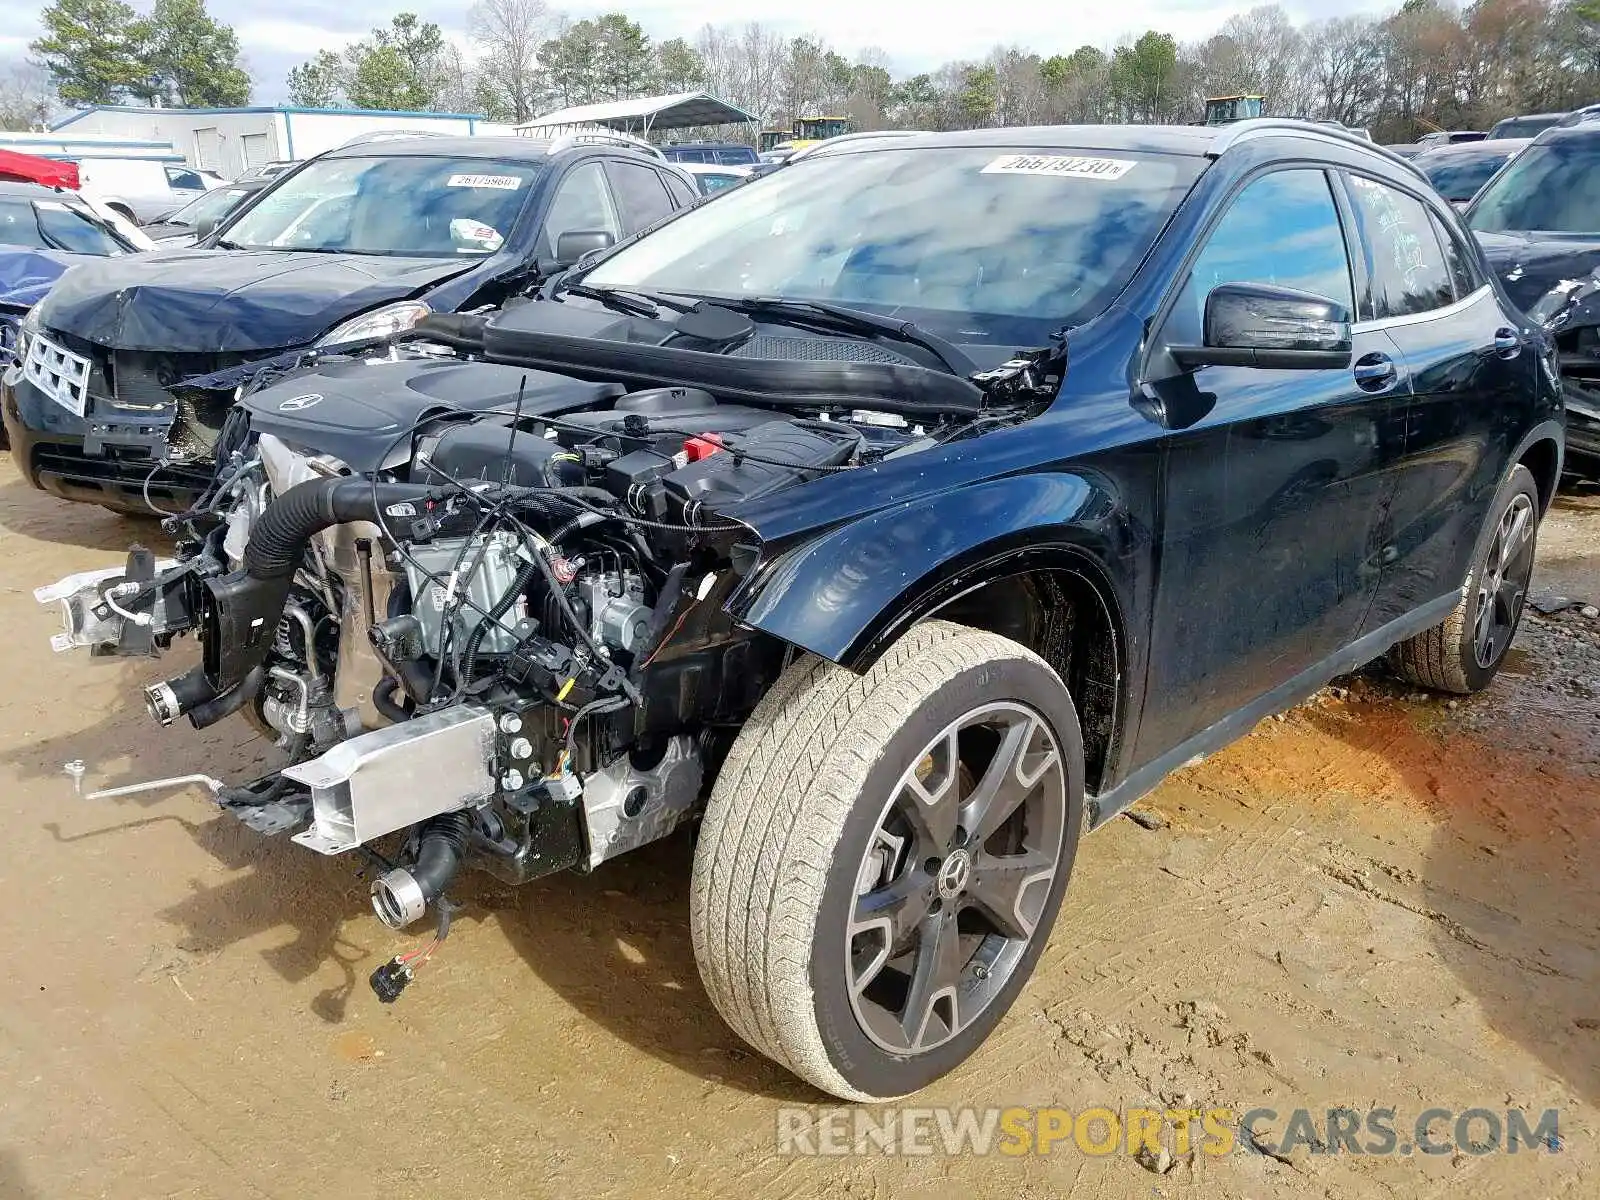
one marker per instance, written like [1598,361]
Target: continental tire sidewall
[862,1062]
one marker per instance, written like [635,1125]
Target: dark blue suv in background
[127,368]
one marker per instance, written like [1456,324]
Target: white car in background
[143,189]
[711,178]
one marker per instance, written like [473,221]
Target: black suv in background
[720,154]
[1538,221]
[125,371]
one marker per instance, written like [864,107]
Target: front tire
[1463,652]
[883,857]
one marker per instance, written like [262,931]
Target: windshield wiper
[612,298]
[633,301]
[844,319]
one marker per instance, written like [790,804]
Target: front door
[1275,499]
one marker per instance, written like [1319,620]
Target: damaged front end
[493,636]
[1570,312]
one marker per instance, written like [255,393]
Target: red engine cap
[704,446]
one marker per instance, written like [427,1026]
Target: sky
[916,35]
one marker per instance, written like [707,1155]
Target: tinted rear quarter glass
[1463,270]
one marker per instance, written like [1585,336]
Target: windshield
[975,244]
[1554,187]
[1523,127]
[1459,176]
[403,205]
[212,206]
[53,225]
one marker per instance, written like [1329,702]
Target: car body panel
[1199,511]
[211,301]
[26,273]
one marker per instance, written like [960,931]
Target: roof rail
[604,137]
[1248,130]
[390,135]
[846,138]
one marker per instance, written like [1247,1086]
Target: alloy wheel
[1503,583]
[955,877]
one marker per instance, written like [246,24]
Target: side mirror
[204,228]
[1263,325]
[573,245]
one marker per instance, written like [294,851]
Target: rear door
[1277,481]
[1470,375]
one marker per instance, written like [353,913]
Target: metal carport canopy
[679,111]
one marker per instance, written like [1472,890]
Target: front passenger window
[581,205]
[1282,229]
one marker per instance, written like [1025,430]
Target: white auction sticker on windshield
[505,183]
[1074,166]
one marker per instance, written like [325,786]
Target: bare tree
[508,33]
[1343,65]
[27,97]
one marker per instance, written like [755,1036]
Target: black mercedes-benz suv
[897,517]
[128,368]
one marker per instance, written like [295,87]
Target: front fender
[833,593]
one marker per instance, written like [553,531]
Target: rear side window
[1463,271]
[1282,229]
[1406,267]
[641,194]
[741,156]
[682,191]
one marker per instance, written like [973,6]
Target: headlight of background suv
[26,327]
[380,322]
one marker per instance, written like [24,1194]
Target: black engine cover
[356,410]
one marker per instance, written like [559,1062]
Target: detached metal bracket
[157,785]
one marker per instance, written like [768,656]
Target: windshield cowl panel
[974,245]
[407,206]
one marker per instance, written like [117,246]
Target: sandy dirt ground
[1380,899]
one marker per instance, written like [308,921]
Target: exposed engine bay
[478,608]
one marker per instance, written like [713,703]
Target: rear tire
[846,923]
[1463,652]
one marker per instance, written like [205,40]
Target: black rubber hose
[383,700]
[441,847]
[501,607]
[225,705]
[187,690]
[278,540]
[254,598]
